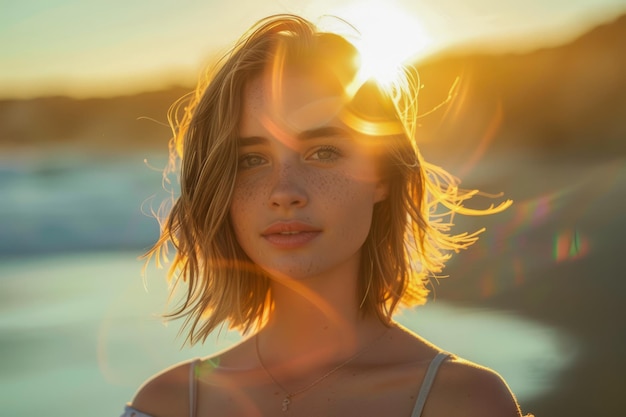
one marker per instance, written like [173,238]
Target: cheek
[350,200]
[329,190]
[246,199]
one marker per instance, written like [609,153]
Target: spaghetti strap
[427,383]
[192,387]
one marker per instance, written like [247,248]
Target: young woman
[306,218]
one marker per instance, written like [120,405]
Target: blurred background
[525,98]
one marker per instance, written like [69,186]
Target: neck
[316,322]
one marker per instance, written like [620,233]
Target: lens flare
[570,244]
[388,36]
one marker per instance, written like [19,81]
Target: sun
[388,36]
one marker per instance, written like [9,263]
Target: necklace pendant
[286,403]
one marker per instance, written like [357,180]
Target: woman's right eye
[251,161]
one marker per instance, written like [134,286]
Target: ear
[382,191]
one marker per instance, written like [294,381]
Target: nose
[287,190]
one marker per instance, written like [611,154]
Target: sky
[101,48]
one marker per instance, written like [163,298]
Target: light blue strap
[131,412]
[192,387]
[427,383]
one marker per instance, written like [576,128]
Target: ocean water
[63,203]
[79,328]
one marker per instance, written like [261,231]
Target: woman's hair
[410,237]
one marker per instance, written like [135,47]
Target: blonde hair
[409,240]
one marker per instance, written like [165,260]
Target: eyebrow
[315,133]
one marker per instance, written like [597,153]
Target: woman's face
[306,186]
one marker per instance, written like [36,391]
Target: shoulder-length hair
[409,240]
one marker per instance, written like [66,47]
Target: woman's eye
[251,161]
[326,154]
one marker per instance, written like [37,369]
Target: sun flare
[388,36]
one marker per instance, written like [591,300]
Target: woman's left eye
[325,154]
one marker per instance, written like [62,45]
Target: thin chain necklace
[289,395]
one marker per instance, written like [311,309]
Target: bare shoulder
[166,394]
[465,388]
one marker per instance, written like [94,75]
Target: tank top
[422,396]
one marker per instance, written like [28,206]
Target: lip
[287,227]
[290,234]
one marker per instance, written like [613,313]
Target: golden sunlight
[388,36]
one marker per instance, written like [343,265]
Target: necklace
[290,394]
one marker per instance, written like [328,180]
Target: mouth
[290,235]
[289,228]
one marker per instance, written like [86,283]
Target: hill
[567,100]
[109,125]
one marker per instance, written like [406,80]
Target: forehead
[294,99]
